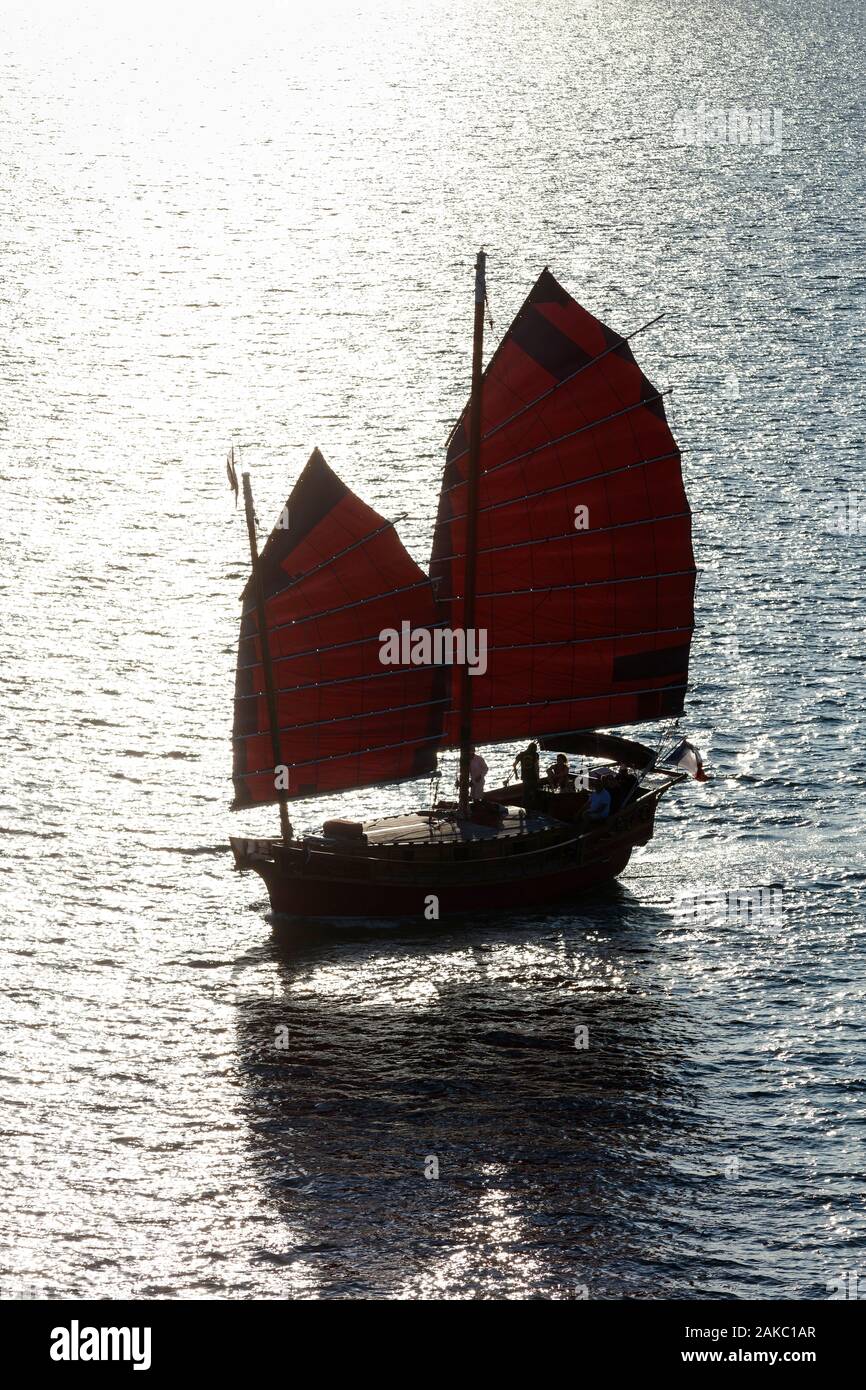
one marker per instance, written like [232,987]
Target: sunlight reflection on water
[264,230]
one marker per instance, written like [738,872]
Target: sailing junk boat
[559,603]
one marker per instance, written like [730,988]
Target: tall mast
[471,528]
[267,667]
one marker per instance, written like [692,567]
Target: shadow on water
[428,1116]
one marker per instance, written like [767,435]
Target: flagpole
[267,667]
[471,547]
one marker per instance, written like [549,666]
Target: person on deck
[559,776]
[623,785]
[478,770]
[527,765]
[599,804]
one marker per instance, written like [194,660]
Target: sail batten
[324,564]
[598,695]
[338,647]
[564,438]
[675,456]
[422,584]
[568,536]
[588,584]
[309,788]
[539,400]
[391,672]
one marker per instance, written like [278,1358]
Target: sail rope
[609,696]
[558,487]
[560,439]
[528,405]
[405,670]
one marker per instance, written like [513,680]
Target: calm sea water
[258,223]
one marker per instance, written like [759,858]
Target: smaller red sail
[335,577]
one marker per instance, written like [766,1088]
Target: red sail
[335,576]
[588,613]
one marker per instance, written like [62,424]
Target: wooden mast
[267,667]
[471,548]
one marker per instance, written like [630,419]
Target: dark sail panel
[585,570]
[335,576]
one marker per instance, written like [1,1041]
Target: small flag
[686,758]
[233,477]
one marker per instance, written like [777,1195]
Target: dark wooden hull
[308,879]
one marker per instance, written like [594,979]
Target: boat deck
[403,851]
[434,828]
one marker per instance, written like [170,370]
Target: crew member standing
[527,764]
[478,770]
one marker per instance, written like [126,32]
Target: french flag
[686,758]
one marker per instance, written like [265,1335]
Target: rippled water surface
[259,223]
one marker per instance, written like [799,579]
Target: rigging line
[329,612]
[565,380]
[559,487]
[342,757]
[589,584]
[601,637]
[582,699]
[570,535]
[457,598]
[663,737]
[443,737]
[294,580]
[618,390]
[666,728]
[393,779]
[332,647]
[343,719]
[420,669]
[550,443]
[411,670]
[550,391]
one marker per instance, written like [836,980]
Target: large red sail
[335,575]
[585,572]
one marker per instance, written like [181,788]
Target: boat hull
[332,883]
[328,897]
